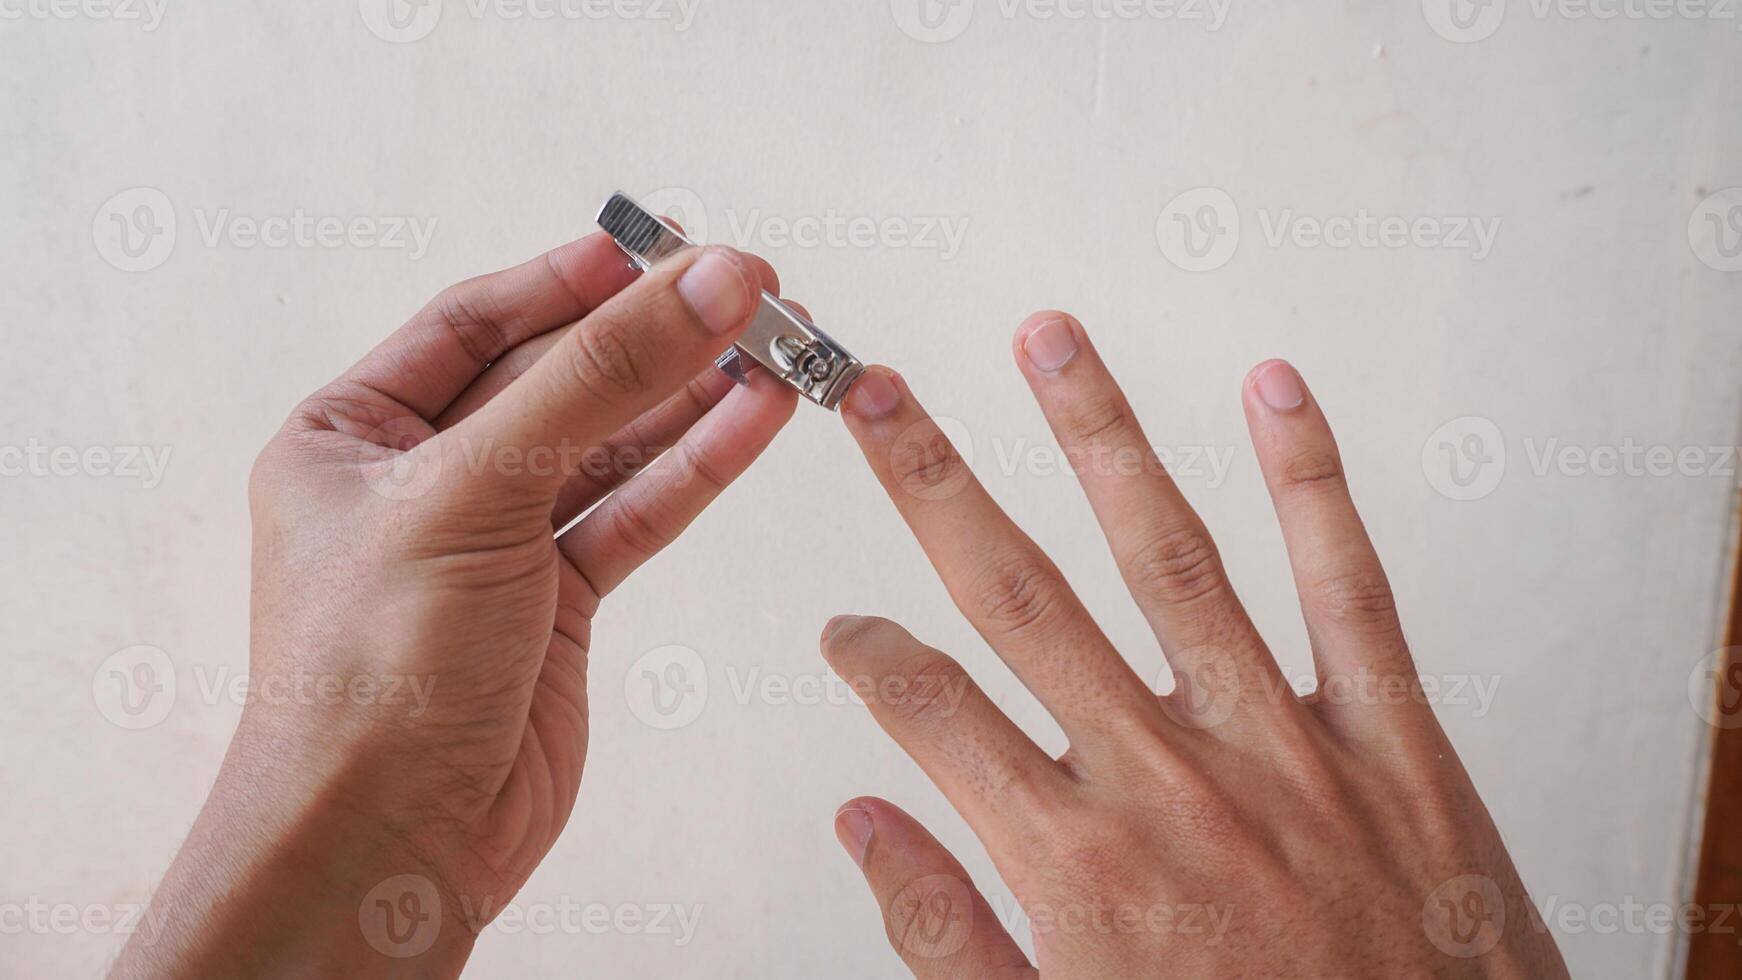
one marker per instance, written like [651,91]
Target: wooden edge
[1714,955]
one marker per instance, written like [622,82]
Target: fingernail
[714,287]
[1051,345]
[835,624]
[1279,386]
[873,396]
[853,826]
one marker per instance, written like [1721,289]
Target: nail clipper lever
[779,338]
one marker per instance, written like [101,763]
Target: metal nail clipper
[780,339]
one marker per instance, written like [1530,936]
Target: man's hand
[408,582]
[1229,829]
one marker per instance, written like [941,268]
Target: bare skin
[404,523]
[1230,829]
[405,562]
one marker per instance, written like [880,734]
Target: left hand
[1229,829]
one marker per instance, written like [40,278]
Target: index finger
[620,361]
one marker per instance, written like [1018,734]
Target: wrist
[300,864]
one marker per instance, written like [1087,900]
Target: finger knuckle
[925,690]
[1313,471]
[1097,419]
[1018,592]
[609,360]
[1177,565]
[926,460]
[641,528]
[698,466]
[470,311]
[1361,599]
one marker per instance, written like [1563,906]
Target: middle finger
[998,577]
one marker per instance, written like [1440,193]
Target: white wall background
[1595,320]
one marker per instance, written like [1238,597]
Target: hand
[426,632]
[1230,829]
